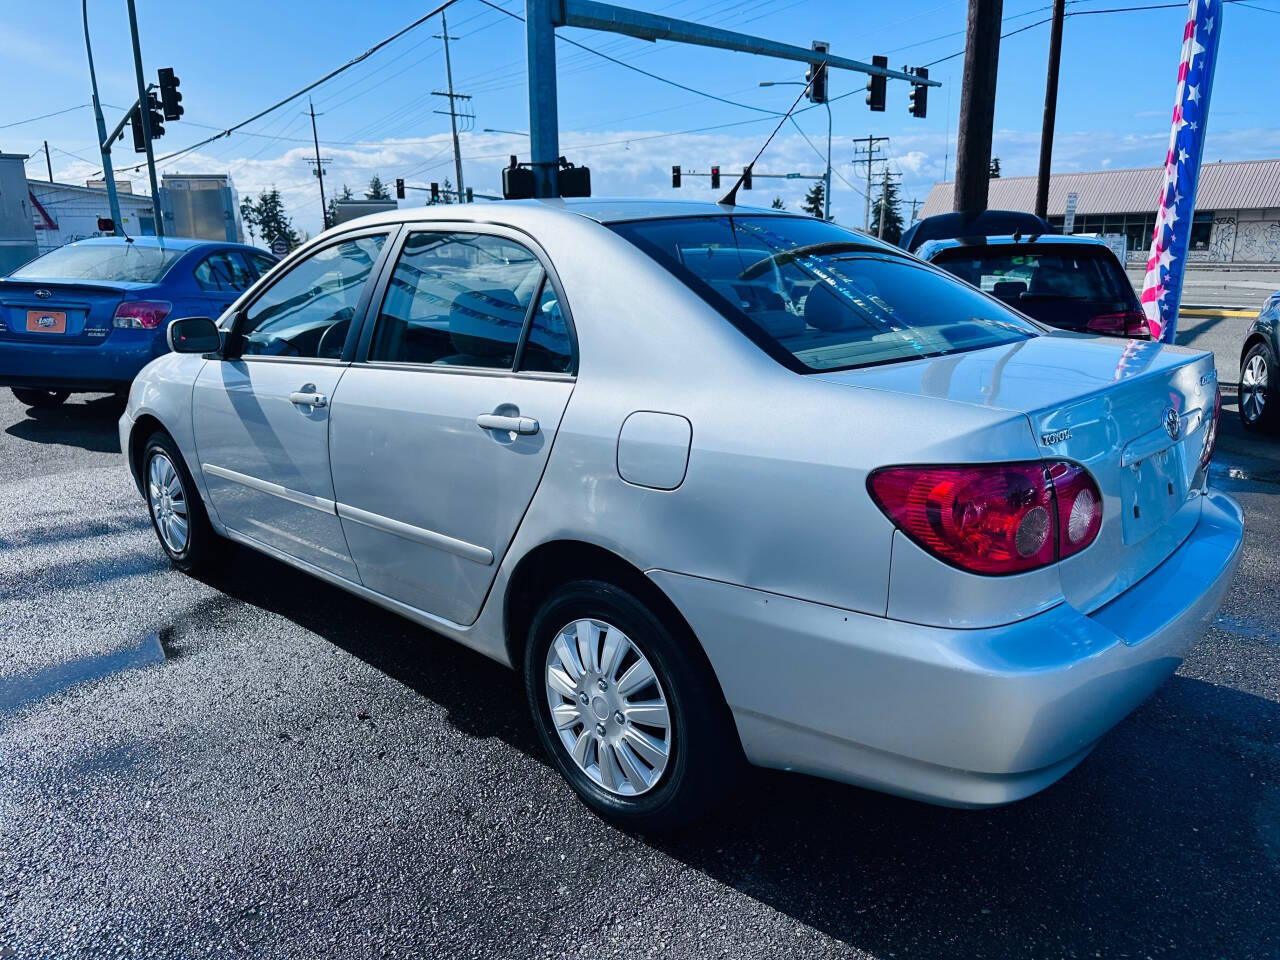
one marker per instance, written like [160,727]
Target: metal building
[201,205]
[64,212]
[1237,218]
[17,232]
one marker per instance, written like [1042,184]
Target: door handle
[303,399]
[492,421]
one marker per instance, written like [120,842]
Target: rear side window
[262,263]
[1028,274]
[818,297]
[457,299]
[223,272]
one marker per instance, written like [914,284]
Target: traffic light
[471,197]
[170,97]
[715,178]
[817,73]
[435,192]
[746,178]
[135,124]
[876,85]
[399,188]
[920,94]
[154,115]
[675,177]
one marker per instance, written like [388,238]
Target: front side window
[457,299]
[818,297]
[262,263]
[223,272]
[308,311]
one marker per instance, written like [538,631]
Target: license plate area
[1152,490]
[46,321]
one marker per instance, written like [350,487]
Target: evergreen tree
[377,190]
[994,169]
[332,207]
[778,204]
[248,215]
[446,192]
[813,200]
[892,214]
[272,223]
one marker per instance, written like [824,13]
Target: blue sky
[235,57]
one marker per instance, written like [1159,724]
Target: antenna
[731,198]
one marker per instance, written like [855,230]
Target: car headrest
[823,309]
[1009,289]
[485,323]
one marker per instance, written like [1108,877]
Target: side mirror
[194,335]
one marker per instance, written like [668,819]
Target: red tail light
[141,314]
[1211,431]
[993,518]
[1130,324]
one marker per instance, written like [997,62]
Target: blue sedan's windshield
[819,297]
[126,261]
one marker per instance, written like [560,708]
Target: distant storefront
[1237,217]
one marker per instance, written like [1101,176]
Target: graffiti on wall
[1222,241]
[1258,241]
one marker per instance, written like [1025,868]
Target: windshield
[101,261]
[818,297]
[1083,273]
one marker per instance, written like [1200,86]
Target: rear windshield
[1028,274]
[101,261]
[818,297]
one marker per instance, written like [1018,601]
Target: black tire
[201,544]
[705,755]
[1259,405]
[40,399]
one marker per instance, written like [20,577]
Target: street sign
[795,176]
[1069,221]
[279,246]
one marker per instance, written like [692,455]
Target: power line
[43,116]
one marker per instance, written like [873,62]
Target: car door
[261,417]
[440,434]
[222,276]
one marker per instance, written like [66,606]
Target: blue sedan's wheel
[177,514]
[40,399]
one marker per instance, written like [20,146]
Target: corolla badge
[1172,424]
[43,294]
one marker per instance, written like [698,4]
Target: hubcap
[1253,387]
[608,707]
[168,502]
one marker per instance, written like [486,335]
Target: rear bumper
[960,717]
[107,366]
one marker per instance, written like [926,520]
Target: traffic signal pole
[977,105]
[1050,109]
[144,113]
[104,145]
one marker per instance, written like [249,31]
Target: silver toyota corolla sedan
[725,484]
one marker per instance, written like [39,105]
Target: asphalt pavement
[258,765]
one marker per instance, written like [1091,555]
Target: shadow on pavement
[92,425]
[1165,842]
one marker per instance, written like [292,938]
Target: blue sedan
[86,317]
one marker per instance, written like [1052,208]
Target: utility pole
[915,205]
[453,113]
[315,138]
[144,114]
[977,105]
[867,156]
[1050,109]
[47,162]
[884,198]
[104,148]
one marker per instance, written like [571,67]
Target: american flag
[1162,287]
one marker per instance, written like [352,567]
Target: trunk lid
[1134,413]
[49,311]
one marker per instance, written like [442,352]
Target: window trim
[234,338]
[516,235]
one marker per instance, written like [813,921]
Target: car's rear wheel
[40,399]
[631,715]
[177,513]
[1259,399]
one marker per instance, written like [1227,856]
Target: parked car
[1073,283]
[988,223]
[1259,375]
[87,316]
[831,511]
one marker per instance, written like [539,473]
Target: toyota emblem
[1172,424]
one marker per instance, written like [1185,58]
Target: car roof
[944,226]
[931,248]
[182,244]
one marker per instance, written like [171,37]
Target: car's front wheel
[40,399]
[1258,389]
[177,513]
[631,715]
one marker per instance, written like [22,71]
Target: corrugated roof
[1241,185]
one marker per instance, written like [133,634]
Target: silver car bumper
[960,717]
